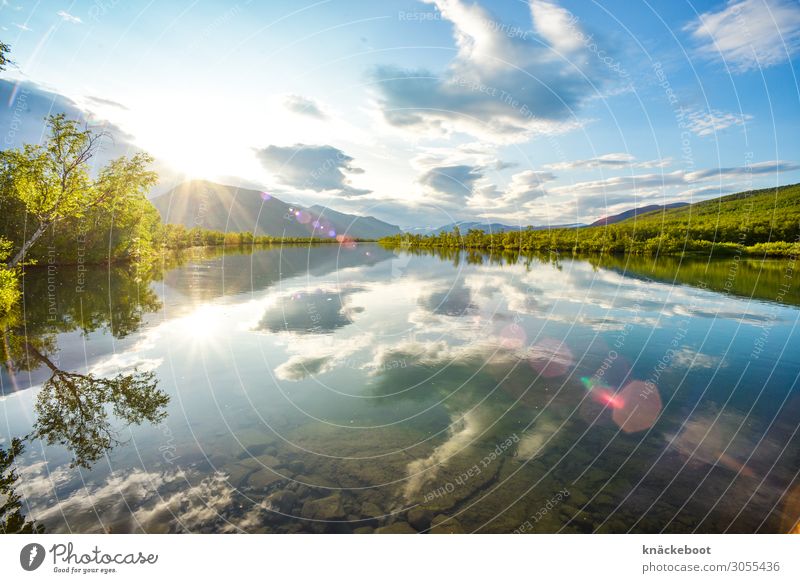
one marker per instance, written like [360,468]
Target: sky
[425,112]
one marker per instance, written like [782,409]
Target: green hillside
[761,222]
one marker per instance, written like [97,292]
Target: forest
[760,222]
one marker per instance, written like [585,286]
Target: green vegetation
[4,50]
[9,291]
[50,188]
[179,237]
[12,520]
[761,222]
[57,211]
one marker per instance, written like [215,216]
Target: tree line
[763,222]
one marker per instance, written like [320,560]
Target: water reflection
[331,389]
[72,409]
[316,312]
[12,517]
[81,412]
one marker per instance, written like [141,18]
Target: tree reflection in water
[72,409]
[84,413]
[12,520]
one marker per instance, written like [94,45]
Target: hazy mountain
[610,220]
[219,207]
[487,228]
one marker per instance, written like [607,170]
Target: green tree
[9,290]
[53,181]
[12,521]
[4,60]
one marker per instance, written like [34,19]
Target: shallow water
[332,389]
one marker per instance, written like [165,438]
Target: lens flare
[265,196]
[608,398]
[640,407]
[346,242]
[513,337]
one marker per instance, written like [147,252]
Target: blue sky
[424,112]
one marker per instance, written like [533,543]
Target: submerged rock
[282,500]
[396,528]
[441,524]
[328,508]
[263,478]
[314,481]
[419,518]
[371,510]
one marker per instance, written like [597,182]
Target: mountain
[487,228]
[610,220]
[465,226]
[219,207]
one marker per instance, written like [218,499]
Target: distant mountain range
[200,203]
[488,228]
[465,226]
[611,219]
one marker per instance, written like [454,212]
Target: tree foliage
[763,222]
[4,60]
[72,410]
[51,186]
[12,520]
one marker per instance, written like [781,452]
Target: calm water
[334,389]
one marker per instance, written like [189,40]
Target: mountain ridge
[222,207]
[635,212]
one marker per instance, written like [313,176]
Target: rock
[370,510]
[577,497]
[314,481]
[253,451]
[396,528]
[296,466]
[419,518]
[262,461]
[604,499]
[236,474]
[262,478]
[364,530]
[328,508]
[282,500]
[441,524]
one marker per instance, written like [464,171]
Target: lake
[355,388]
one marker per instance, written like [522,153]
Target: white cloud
[461,184]
[504,85]
[527,185]
[750,34]
[630,184]
[708,123]
[775,167]
[312,167]
[304,106]
[612,160]
[67,17]
[638,184]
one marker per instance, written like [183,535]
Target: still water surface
[340,389]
